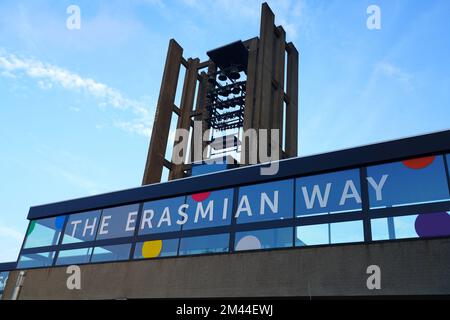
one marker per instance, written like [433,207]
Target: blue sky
[77,106]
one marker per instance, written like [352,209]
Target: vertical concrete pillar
[251,117]
[161,125]
[186,108]
[263,97]
[278,96]
[292,103]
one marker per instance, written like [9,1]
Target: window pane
[267,201]
[74,256]
[36,260]
[156,248]
[3,278]
[312,235]
[263,239]
[382,229]
[412,226]
[328,193]
[82,227]
[205,244]
[448,162]
[111,253]
[339,232]
[209,209]
[407,182]
[118,222]
[44,232]
[161,216]
[345,232]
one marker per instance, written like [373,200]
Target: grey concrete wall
[419,267]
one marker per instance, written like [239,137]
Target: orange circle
[199,197]
[419,163]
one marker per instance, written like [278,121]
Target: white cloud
[74,109]
[10,233]
[291,14]
[135,127]
[392,71]
[77,180]
[11,241]
[47,76]
[44,84]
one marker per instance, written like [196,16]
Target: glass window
[3,278]
[263,239]
[411,226]
[35,260]
[111,253]
[156,248]
[346,232]
[267,201]
[209,209]
[382,229]
[339,232]
[312,235]
[204,244]
[75,256]
[161,216]
[328,193]
[118,222]
[410,181]
[44,232]
[82,227]
[206,168]
[448,162]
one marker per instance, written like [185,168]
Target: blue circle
[59,222]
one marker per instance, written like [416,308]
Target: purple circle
[433,224]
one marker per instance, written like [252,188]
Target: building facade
[312,229]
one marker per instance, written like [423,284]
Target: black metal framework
[227,112]
[365,215]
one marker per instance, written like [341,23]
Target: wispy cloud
[10,233]
[135,126]
[77,180]
[75,170]
[291,14]
[10,241]
[47,76]
[388,69]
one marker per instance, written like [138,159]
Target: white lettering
[354,193]
[165,217]
[104,224]
[225,209]
[378,186]
[147,218]
[182,213]
[266,200]
[89,227]
[323,201]
[75,223]
[203,213]
[131,220]
[243,206]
